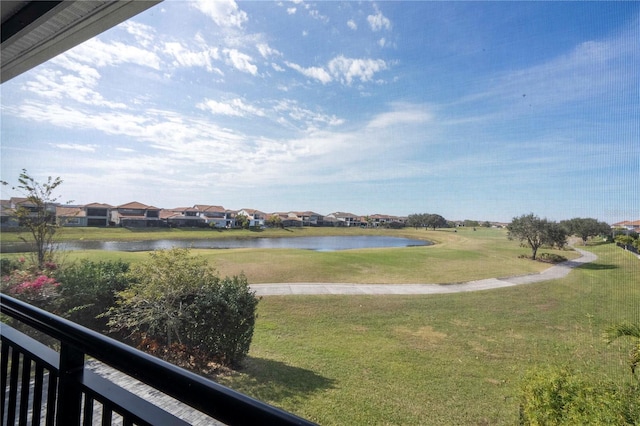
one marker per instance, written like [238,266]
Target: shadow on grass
[595,266]
[275,381]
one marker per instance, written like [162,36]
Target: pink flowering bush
[33,287]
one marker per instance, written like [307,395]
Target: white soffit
[35,31]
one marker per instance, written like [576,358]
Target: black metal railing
[42,386]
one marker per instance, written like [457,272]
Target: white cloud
[277,67]
[240,61]
[378,21]
[144,34]
[225,13]
[352,24]
[78,85]
[590,69]
[76,147]
[315,14]
[99,54]
[291,10]
[186,58]
[316,73]
[401,114]
[344,70]
[267,51]
[236,107]
[348,69]
[310,119]
[74,75]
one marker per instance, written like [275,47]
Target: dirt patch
[421,337]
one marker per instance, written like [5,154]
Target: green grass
[457,256]
[440,359]
[443,359]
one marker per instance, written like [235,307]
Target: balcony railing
[42,386]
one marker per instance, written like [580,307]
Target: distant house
[308,218]
[288,220]
[7,215]
[71,216]
[136,215]
[11,206]
[347,219]
[256,217]
[215,216]
[98,214]
[628,225]
[181,217]
[387,220]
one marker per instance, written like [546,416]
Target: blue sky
[472,110]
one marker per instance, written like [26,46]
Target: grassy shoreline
[459,256]
[151,234]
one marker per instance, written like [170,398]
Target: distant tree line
[536,232]
[426,220]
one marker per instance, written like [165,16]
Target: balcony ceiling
[35,31]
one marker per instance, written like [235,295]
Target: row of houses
[139,215]
[628,225]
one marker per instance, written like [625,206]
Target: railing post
[69,390]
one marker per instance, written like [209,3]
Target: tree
[586,227]
[369,221]
[557,235]
[274,221]
[242,221]
[37,213]
[435,221]
[177,301]
[535,231]
[415,220]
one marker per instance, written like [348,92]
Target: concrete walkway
[557,271]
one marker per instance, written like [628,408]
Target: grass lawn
[457,256]
[437,359]
[441,359]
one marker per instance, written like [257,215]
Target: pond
[305,243]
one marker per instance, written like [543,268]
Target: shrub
[176,298]
[32,286]
[219,320]
[7,266]
[562,397]
[88,289]
[551,258]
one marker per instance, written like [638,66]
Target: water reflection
[305,243]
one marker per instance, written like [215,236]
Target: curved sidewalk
[557,271]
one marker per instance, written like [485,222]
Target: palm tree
[627,330]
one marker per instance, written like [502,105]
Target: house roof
[183,209]
[35,31]
[98,206]
[70,212]
[208,208]
[343,214]
[252,212]
[136,205]
[635,223]
[307,213]
[15,201]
